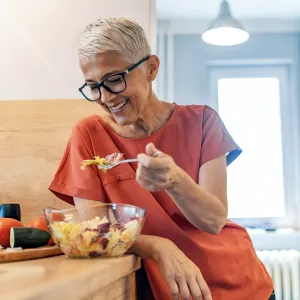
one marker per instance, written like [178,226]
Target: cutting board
[26,254]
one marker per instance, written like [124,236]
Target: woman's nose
[106,96]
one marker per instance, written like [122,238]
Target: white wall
[37,42]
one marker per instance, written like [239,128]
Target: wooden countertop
[60,277]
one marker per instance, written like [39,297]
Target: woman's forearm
[146,246]
[201,208]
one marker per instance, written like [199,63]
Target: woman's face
[129,105]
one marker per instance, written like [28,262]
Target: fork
[110,166]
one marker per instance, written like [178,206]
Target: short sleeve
[70,180]
[216,140]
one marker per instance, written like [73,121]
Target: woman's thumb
[151,150]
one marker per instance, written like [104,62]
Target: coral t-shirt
[193,135]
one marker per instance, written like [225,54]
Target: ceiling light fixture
[225,30]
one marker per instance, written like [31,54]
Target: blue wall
[191,78]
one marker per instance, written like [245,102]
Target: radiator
[284,268]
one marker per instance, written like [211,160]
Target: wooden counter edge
[65,278]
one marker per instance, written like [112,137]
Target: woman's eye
[114,79]
[92,86]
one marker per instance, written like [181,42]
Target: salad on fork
[103,163]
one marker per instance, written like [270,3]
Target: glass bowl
[100,230]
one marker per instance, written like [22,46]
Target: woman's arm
[82,203]
[204,204]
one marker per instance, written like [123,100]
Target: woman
[188,246]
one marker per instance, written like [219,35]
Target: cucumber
[28,237]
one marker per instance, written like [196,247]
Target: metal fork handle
[135,159]
[110,166]
[127,161]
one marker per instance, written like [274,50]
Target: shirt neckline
[154,134]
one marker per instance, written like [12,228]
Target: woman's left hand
[156,170]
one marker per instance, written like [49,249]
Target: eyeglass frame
[122,74]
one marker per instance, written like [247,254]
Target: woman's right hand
[181,274]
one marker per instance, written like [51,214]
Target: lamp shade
[225,30]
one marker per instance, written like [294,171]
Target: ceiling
[245,9]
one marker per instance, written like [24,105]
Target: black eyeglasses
[114,84]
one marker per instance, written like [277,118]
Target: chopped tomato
[56,217]
[5,225]
[51,242]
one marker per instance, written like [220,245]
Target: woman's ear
[153,67]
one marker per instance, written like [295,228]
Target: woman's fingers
[195,289]
[154,159]
[183,289]
[150,149]
[206,295]
[156,163]
[156,173]
[151,175]
[151,180]
[173,289]
[182,276]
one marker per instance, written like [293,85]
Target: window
[250,107]
[255,106]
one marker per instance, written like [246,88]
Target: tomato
[40,223]
[56,217]
[5,225]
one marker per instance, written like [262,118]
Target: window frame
[289,130]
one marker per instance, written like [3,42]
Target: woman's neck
[155,115]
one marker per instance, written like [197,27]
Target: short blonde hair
[118,34]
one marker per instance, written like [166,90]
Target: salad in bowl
[101,230]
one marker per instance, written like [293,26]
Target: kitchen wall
[186,67]
[192,55]
[38,37]
[38,61]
